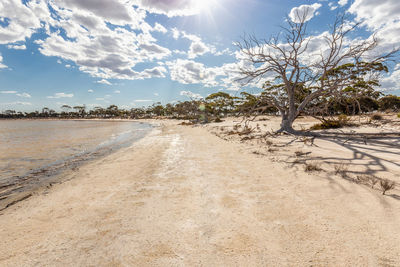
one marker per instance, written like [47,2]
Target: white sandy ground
[184,197]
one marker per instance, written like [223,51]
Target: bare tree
[304,73]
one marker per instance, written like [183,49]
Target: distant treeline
[219,105]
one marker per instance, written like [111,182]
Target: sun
[207,6]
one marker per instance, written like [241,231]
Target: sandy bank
[185,197]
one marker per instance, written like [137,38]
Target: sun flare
[205,5]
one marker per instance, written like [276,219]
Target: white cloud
[175,33]
[179,52]
[375,14]
[18,103]
[191,95]
[90,91]
[191,37]
[381,18]
[61,95]
[191,72]
[171,7]
[156,94]
[81,35]
[156,72]
[197,46]
[159,28]
[117,91]
[23,19]
[26,95]
[68,66]
[104,81]
[80,32]
[343,2]
[197,49]
[304,12]
[142,100]
[226,51]
[16,47]
[113,11]
[8,92]
[391,82]
[104,99]
[2,66]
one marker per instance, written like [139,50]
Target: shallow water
[28,146]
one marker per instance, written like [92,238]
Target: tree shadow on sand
[365,154]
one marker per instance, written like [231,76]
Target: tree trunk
[287,126]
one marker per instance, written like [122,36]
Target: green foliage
[220,103]
[389,102]
[341,121]
[277,91]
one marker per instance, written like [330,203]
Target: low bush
[341,121]
[386,185]
[376,117]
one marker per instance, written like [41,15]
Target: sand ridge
[184,197]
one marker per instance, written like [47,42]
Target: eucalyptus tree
[220,103]
[304,67]
[80,110]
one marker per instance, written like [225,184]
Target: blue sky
[133,53]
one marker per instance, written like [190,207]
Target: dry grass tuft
[342,170]
[268,143]
[312,167]
[386,185]
[300,153]
[184,123]
[368,180]
[376,117]
[259,153]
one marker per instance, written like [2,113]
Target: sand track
[183,197]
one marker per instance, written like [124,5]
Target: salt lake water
[32,147]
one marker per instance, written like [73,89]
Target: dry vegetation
[342,170]
[386,185]
[312,167]
[310,153]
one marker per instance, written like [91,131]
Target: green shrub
[389,102]
[340,122]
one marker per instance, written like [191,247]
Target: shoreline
[73,119]
[185,196]
[20,187]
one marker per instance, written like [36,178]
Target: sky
[133,53]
